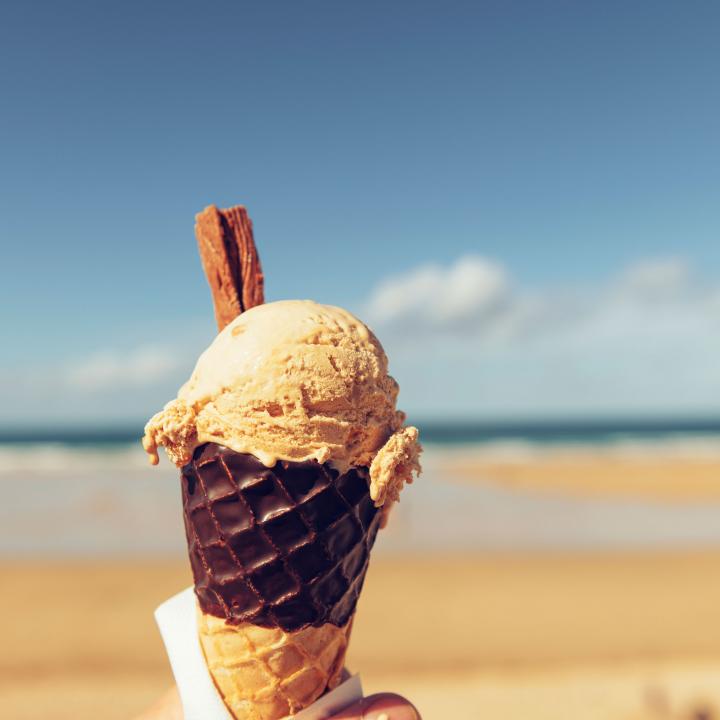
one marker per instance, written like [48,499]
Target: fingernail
[389,709]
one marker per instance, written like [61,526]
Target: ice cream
[294,380]
[290,444]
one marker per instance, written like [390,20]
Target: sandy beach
[596,635]
[673,472]
[565,583]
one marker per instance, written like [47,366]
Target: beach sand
[677,477]
[626,636]
[547,615]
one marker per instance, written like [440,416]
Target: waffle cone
[268,673]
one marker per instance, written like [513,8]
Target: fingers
[385,706]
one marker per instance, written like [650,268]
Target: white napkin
[177,620]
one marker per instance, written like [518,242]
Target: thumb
[386,706]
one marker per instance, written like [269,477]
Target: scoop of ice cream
[294,380]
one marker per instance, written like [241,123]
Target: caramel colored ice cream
[294,381]
[291,452]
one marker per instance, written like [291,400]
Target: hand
[385,706]
[376,707]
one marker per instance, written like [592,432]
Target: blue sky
[569,148]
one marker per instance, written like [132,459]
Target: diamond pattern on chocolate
[350,488]
[285,546]
[230,516]
[287,532]
[323,509]
[252,548]
[274,583]
[207,530]
[309,562]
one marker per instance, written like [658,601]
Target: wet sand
[514,636]
[676,477]
[83,504]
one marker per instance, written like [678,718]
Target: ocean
[433,432]
[89,493]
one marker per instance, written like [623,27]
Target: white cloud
[656,278]
[646,339]
[476,296]
[107,385]
[473,296]
[112,369]
[463,340]
[466,291]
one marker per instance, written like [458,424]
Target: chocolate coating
[285,546]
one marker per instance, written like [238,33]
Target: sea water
[93,493]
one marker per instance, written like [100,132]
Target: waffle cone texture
[279,556]
[268,673]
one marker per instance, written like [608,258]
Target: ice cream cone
[267,673]
[279,556]
[292,449]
